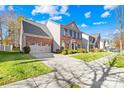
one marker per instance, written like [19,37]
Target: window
[68,32]
[72,25]
[80,35]
[72,34]
[63,32]
[76,35]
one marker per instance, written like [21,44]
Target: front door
[72,46]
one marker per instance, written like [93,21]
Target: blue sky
[89,18]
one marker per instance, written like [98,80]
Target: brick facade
[30,40]
[69,40]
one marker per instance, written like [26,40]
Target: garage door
[40,49]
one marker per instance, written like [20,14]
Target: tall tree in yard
[0,30]
[116,41]
[19,20]
[119,12]
[3,26]
[13,28]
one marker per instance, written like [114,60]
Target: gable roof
[96,35]
[72,25]
[34,28]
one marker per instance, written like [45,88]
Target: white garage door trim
[40,49]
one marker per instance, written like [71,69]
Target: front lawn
[91,56]
[16,66]
[118,61]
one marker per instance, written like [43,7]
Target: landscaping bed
[91,56]
[15,66]
[117,61]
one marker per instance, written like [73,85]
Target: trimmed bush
[96,50]
[70,51]
[64,52]
[101,50]
[82,50]
[58,51]
[26,49]
[91,50]
[75,51]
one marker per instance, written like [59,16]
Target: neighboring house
[91,41]
[65,36]
[97,40]
[85,41]
[36,36]
[102,44]
[108,44]
[94,41]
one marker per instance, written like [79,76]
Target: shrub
[64,52]
[82,50]
[58,51]
[74,51]
[70,51]
[65,49]
[91,50]
[96,50]
[101,50]
[26,49]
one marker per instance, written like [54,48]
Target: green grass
[15,66]
[72,86]
[91,56]
[118,61]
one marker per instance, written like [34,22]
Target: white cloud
[105,14]
[2,7]
[99,23]
[10,8]
[45,10]
[87,14]
[64,9]
[41,22]
[84,25]
[56,17]
[110,7]
[51,10]
[116,31]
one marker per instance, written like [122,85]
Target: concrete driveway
[68,70]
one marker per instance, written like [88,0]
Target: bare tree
[119,12]
[12,27]
[0,30]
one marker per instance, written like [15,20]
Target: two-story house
[36,36]
[65,36]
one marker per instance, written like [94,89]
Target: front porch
[72,44]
